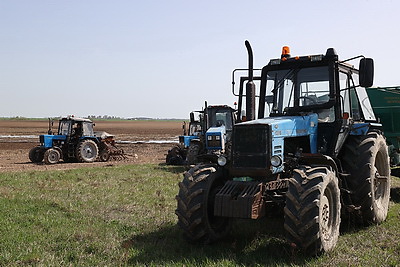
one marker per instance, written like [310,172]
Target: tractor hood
[288,126]
[282,128]
[215,138]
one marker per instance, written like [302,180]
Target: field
[121,213]
[143,141]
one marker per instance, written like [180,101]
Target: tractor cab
[220,120]
[317,102]
[321,85]
[76,127]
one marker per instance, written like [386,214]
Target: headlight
[276,161]
[209,138]
[221,161]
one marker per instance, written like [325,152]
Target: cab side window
[348,96]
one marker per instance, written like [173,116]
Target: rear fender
[362,128]
[319,160]
[97,140]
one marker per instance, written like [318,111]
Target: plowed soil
[142,141]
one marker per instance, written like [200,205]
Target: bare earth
[142,141]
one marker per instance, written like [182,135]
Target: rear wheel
[195,209]
[36,154]
[175,156]
[51,156]
[312,211]
[366,158]
[87,151]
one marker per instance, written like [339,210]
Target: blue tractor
[75,141]
[318,155]
[206,137]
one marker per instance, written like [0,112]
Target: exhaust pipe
[250,87]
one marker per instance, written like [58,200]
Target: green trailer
[386,105]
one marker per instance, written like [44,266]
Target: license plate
[275,185]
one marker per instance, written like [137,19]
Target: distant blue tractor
[205,138]
[75,141]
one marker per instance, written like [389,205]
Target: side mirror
[191,117]
[366,72]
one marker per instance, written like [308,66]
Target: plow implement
[109,150]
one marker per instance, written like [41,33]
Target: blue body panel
[286,127]
[48,139]
[360,128]
[187,139]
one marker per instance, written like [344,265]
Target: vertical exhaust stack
[250,87]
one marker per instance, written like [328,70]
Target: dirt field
[142,141]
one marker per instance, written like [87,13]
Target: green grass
[124,215]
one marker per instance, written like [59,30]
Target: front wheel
[195,209]
[312,211]
[51,156]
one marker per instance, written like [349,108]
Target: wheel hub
[88,150]
[53,157]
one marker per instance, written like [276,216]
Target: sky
[163,59]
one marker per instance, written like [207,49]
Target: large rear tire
[195,209]
[175,156]
[87,151]
[312,211]
[36,154]
[366,159]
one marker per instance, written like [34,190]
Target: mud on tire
[312,211]
[195,207]
[366,159]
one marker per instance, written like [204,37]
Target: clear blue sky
[162,58]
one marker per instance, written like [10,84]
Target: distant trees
[104,117]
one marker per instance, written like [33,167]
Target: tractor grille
[251,146]
[214,141]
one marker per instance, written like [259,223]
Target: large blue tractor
[318,155]
[75,141]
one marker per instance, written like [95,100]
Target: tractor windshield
[87,129]
[219,117]
[64,127]
[297,90]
